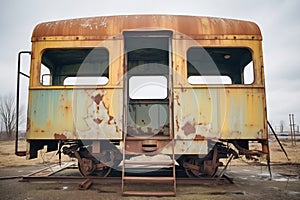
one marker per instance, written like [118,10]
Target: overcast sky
[278,20]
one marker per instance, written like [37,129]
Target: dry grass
[8,157]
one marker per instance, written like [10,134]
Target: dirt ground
[251,180]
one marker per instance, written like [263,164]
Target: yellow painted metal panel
[224,113]
[75,114]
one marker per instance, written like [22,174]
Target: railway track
[51,170]
[50,174]
[108,180]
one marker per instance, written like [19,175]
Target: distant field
[8,157]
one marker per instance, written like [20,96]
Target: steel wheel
[85,171]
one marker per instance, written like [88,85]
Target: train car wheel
[200,167]
[192,167]
[88,168]
[196,167]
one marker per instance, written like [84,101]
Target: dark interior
[218,61]
[64,63]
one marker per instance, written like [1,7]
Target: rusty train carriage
[90,121]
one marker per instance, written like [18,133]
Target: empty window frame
[219,65]
[77,66]
[148,87]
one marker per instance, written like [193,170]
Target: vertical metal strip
[125,110]
[171,86]
[17,152]
[171,107]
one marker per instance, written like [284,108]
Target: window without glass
[148,87]
[87,66]
[219,66]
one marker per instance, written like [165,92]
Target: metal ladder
[126,178]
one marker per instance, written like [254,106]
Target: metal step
[146,193]
[150,163]
[148,179]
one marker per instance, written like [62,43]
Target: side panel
[219,113]
[75,114]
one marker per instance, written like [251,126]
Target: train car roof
[107,26]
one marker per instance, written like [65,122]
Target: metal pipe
[278,140]
[294,133]
[19,153]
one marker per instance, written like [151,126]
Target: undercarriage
[195,166]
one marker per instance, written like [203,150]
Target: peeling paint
[188,129]
[58,136]
[106,125]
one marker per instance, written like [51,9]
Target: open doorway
[148,73]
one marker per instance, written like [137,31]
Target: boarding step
[139,185]
[145,161]
[146,193]
[151,163]
[148,179]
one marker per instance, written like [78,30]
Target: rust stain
[97,120]
[59,136]
[98,98]
[117,129]
[188,128]
[177,99]
[110,118]
[199,138]
[182,88]
[177,124]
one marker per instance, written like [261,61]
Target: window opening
[84,66]
[219,66]
[148,87]
[86,80]
[45,75]
[248,73]
[209,80]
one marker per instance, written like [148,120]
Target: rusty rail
[50,170]
[47,174]
[85,184]
[118,180]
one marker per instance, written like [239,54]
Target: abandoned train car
[108,89]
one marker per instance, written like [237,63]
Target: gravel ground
[250,182]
